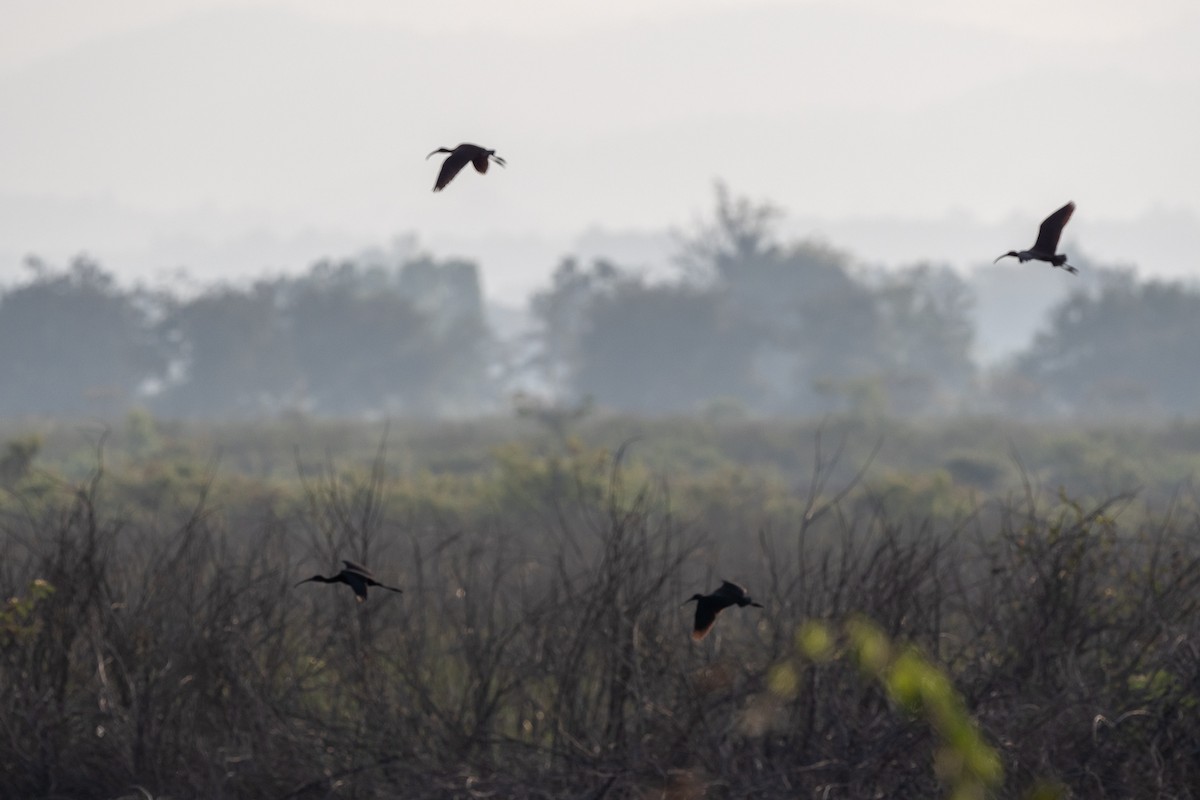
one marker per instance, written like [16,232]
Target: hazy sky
[191,133]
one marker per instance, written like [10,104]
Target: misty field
[960,609]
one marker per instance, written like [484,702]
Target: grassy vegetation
[965,610]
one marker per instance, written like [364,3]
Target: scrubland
[960,609]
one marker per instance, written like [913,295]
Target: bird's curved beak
[434,153]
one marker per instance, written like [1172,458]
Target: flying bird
[461,156]
[709,605]
[1047,241]
[356,576]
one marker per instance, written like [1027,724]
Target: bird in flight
[461,156]
[1047,241]
[709,605]
[356,576]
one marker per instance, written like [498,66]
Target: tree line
[343,339]
[747,323]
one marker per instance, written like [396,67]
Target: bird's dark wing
[354,566]
[1052,228]
[706,615]
[451,167]
[731,590]
[481,162]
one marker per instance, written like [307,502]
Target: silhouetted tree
[1127,348]
[740,235]
[778,328]
[928,332]
[814,322]
[412,340]
[562,312]
[655,348]
[72,342]
[342,339]
[448,293]
[357,343]
[233,355]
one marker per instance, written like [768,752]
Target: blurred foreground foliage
[972,626]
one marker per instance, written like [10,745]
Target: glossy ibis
[1047,241]
[709,605]
[461,156]
[356,576]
